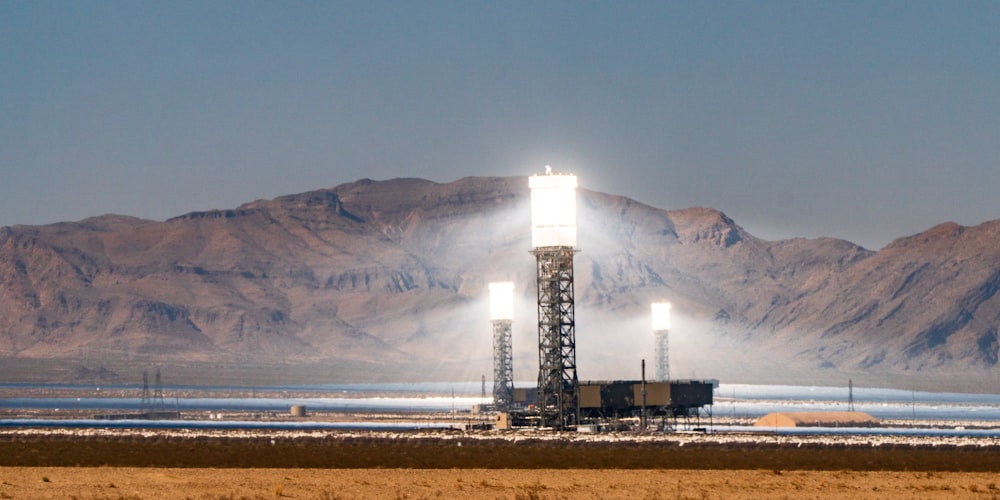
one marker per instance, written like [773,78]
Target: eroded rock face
[398,270]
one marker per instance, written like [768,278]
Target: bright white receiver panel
[553,210]
[661,316]
[501,301]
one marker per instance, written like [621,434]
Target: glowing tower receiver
[502,315]
[553,236]
[553,210]
[661,327]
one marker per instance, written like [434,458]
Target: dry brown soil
[128,466]
[204,483]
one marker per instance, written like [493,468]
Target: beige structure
[502,422]
[817,419]
[657,393]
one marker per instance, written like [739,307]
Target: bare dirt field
[143,464]
[187,448]
[207,483]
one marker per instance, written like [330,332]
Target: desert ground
[225,483]
[129,464]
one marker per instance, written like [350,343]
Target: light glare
[661,316]
[553,210]
[502,301]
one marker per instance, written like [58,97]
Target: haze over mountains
[382,275]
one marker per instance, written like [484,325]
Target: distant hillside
[380,275]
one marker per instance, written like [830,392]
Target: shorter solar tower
[661,327]
[502,315]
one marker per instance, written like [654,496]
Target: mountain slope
[395,272]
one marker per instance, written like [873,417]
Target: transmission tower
[850,395]
[144,403]
[158,392]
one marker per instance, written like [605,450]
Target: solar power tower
[661,329]
[553,237]
[502,315]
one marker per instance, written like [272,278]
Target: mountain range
[387,280]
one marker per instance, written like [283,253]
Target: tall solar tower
[553,236]
[661,327]
[502,315]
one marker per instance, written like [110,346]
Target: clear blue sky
[862,120]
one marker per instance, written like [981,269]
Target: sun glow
[553,210]
[661,316]
[501,301]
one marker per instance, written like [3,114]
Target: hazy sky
[862,120]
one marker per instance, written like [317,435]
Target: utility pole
[850,395]
[642,418]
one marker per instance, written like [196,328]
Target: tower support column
[558,385]
[503,361]
[662,355]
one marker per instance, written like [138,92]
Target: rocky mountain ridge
[395,272]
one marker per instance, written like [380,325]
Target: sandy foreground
[153,483]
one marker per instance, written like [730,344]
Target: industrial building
[667,404]
[628,398]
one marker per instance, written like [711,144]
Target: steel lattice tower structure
[503,362]
[146,400]
[557,380]
[158,391]
[553,235]
[662,356]
[661,329]
[501,314]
